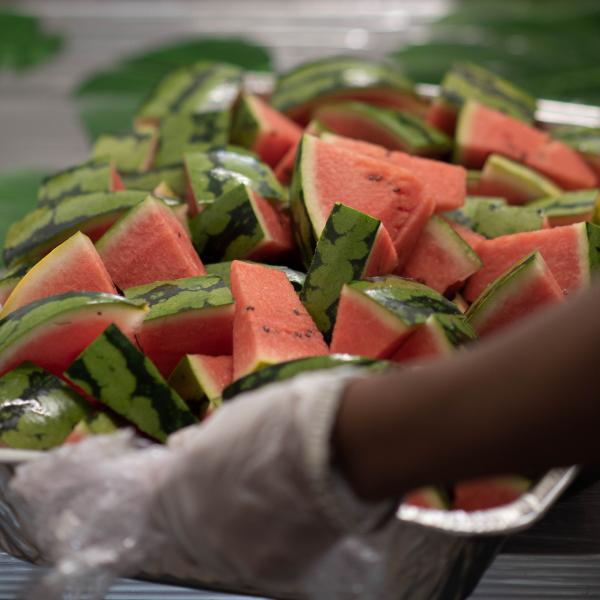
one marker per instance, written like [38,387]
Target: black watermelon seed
[375,177]
[266,329]
[249,308]
[296,312]
[308,333]
[397,190]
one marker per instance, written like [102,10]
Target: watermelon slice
[291,368]
[200,380]
[568,208]
[74,266]
[223,270]
[96,175]
[439,336]
[493,219]
[489,492]
[482,131]
[271,325]
[571,252]
[326,175]
[242,224]
[586,140]
[112,370]
[148,244]
[441,259]
[445,184]
[392,129]
[130,150]
[374,317]
[428,497]
[526,288]
[513,181]
[352,246]
[262,129]
[51,332]
[187,316]
[37,410]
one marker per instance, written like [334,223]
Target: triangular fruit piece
[482,131]
[568,208]
[571,253]
[74,266]
[242,224]
[438,337]
[148,244]
[527,287]
[444,183]
[489,492]
[374,317]
[187,316]
[441,259]
[51,332]
[326,175]
[112,370]
[262,129]
[200,380]
[428,497]
[352,246]
[271,324]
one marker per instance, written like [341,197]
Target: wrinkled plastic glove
[249,498]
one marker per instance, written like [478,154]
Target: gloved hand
[248,497]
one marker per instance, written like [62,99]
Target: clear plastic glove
[249,499]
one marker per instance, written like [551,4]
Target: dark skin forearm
[528,399]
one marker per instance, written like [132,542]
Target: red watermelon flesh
[364,328]
[425,343]
[427,497]
[217,372]
[148,244]
[471,237]
[285,167]
[116,182]
[383,258]
[564,249]
[442,116]
[483,131]
[489,492]
[197,331]
[444,183]
[73,266]
[375,187]
[271,325]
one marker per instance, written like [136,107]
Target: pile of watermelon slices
[229,240]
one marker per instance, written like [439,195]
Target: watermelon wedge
[271,325]
[112,370]
[148,244]
[223,270]
[51,332]
[260,128]
[441,259]
[571,253]
[73,266]
[492,219]
[130,150]
[568,208]
[187,316]
[586,140]
[171,175]
[482,131]
[489,492]
[200,381]
[526,288]
[352,246]
[326,175]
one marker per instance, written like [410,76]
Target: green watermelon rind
[494,220]
[585,140]
[289,369]
[567,204]
[593,242]
[128,150]
[173,175]
[245,123]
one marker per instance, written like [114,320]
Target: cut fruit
[223,270]
[43,229]
[112,370]
[352,246]
[241,224]
[586,140]
[171,175]
[38,411]
[428,497]
[571,252]
[392,129]
[291,368]
[260,128]
[148,244]
[187,316]
[129,151]
[200,381]
[51,332]
[489,492]
[97,175]
[441,259]
[438,337]
[74,266]
[271,325]
[526,288]
[568,208]
[300,91]
[326,175]
[374,317]
[515,182]
[492,219]
[482,131]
